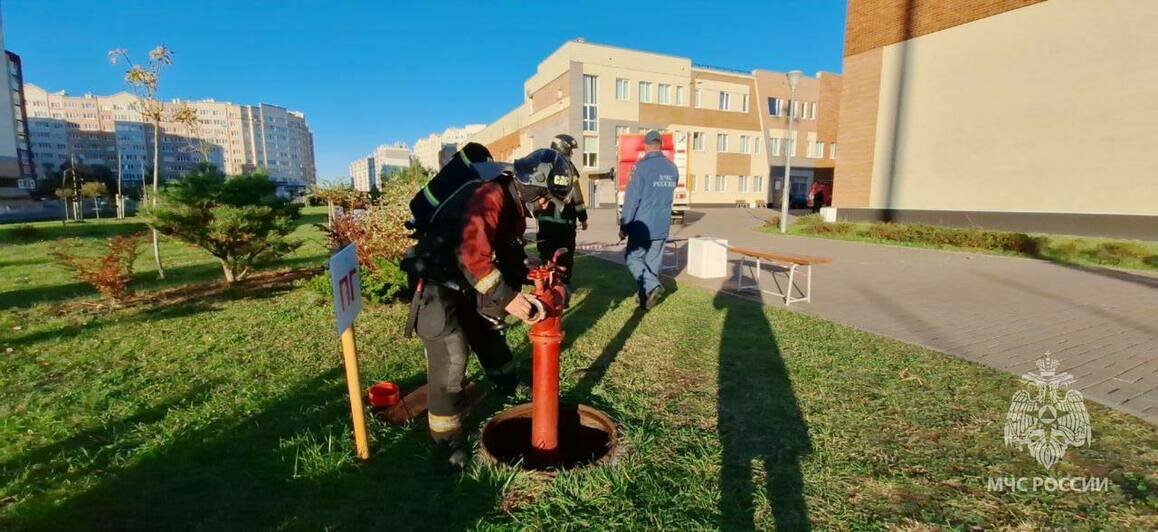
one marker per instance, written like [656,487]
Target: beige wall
[1047,108]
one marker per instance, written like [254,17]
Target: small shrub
[1152,260]
[971,238]
[887,231]
[1015,242]
[1120,252]
[772,221]
[833,229]
[385,283]
[318,284]
[111,273]
[379,231]
[1067,249]
[25,233]
[809,220]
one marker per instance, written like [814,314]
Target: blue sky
[369,72]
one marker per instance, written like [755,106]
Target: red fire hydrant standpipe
[546,338]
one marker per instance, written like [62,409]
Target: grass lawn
[229,412]
[1072,250]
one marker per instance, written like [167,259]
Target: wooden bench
[786,261]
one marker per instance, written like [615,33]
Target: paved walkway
[1004,312]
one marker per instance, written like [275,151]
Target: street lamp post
[793,80]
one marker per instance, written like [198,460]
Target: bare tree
[143,78]
[187,116]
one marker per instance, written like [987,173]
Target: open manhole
[586,437]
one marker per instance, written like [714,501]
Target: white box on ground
[828,214]
[707,257]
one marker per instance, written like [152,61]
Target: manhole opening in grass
[586,437]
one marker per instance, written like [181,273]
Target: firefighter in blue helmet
[558,223]
[646,217]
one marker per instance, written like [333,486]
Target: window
[756,147]
[664,93]
[721,142]
[744,103]
[590,114]
[725,100]
[790,146]
[816,150]
[679,95]
[743,181]
[832,151]
[758,183]
[773,107]
[645,92]
[721,184]
[812,111]
[698,93]
[620,131]
[743,144]
[697,141]
[774,146]
[707,183]
[798,109]
[590,152]
[622,88]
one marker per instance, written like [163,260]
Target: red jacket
[490,252]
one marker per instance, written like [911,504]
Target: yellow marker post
[347,287]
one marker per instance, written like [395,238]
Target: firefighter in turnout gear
[470,265]
[557,223]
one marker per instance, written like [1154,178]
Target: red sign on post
[347,286]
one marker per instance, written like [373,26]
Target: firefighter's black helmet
[544,172]
[564,144]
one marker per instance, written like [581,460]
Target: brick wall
[502,148]
[876,23]
[857,129]
[552,92]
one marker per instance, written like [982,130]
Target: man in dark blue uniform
[646,217]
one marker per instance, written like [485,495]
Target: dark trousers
[451,327]
[553,236]
[644,260]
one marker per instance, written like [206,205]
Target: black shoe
[653,298]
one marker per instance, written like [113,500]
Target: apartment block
[1025,115]
[366,172]
[720,120]
[109,131]
[361,174]
[16,166]
[427,149]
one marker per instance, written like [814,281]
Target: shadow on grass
[266,471]
[759,422]
[182,302]
[21,233]
[205,272]
[104,437]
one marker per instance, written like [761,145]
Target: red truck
[631,149]
[820,195]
